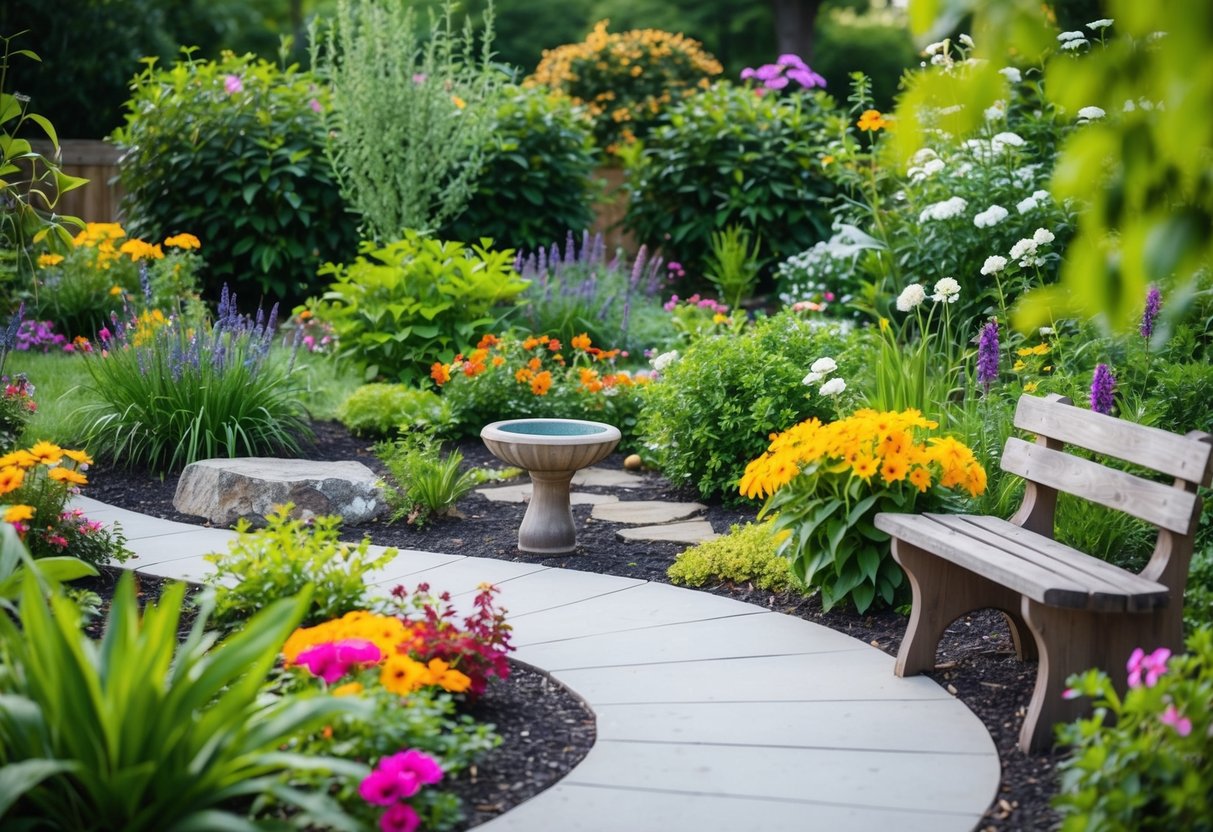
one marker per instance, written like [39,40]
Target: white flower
[824,366]
[990,217]
[937,46]
[1091,113]
[940,60]
[1102,23]
[947,290]
[965,40]
[933,166]
[923,155]
[664,360]
[1042,236]
[994,264]
[1011,74]
[1002,140]
[1046,330]
[910,297]
[1071,45]
[1065,37]
[945,210]
[1027,204]
[812,378]
[1024,248]
[1040,195]
[833,387]
[996,111]
[1129,105]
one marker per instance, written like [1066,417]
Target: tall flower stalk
[1103,388]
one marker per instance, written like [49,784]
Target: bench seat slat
[1176,456]
[1111,587]
[1165,506]
[1019,567]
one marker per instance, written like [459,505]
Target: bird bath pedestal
[552,451]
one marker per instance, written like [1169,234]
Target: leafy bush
[504,378]
[747,554]
[716,407]
[424,483]
[142,731]
[398,308]
[233,151]
[536,178]
[624,80]
[278,561]
[172,391]
[382,409]
[1142,761]
[15,561]
[17,406]
[727,156]
[732,265]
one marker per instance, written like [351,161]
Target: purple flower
[1153,302]
[787,67]
[987,355]
[233,84]
[315,105]
[807,78]
[1103,385]
[788,59]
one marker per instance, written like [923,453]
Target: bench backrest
[1174,509]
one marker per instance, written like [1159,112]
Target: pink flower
[232,84]
[1152,666]
[104,334]
[383,789]
[1172,717]
[400,818]
[413,764]
[332,660]
[1070,693]
[315,105]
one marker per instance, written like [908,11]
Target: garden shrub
[536,179]
[422,483]
[541,377]
[379,410]
[279,560]
[1142,761]
[747,554]
[233,152]
[17,406]
[716,406]
[625,80]
[727,156]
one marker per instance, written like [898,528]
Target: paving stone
[521,493]
[166,548]
[645,512]
[687,531]
[608,478]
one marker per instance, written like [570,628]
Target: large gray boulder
[226,490]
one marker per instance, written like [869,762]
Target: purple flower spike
[1153,303]
[1103,385]
[987,355]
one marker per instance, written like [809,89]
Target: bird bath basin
[551,451]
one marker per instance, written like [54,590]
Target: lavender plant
[171,392]
[578,290]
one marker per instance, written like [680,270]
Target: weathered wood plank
[1185,457]
[1163,505]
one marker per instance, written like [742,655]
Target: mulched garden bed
[546,728]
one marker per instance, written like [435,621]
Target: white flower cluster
[994,264]
[910,297]
[946,210]
[996,111]
[824,266]
[1073,40]
[821,368]
[1031,203]
[1102,23]
[664,360]
[1011,74]
[1090,114]
[947,290]
[1025,251]
[1002,141]
[990,217]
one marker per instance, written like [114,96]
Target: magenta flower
[1171,716]
[400,818]
[415,764]
[1071,693]
[332,660]
[384,789]
[233,84]
[776,76]
[1148,666]
[1153,303]
[315,105]
[1103,386]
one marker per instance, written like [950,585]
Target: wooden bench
[1081,611]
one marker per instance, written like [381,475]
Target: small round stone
[633,462]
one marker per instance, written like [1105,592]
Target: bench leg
[950,592]
[1072,641]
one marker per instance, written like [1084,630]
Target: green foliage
[170,391]
[733,264]
[141,732]
[17,407]
[278,561]
[1181,394]
[715,408]
[747,554]
[728,156]
[411,115]
[1142,761]
[61,379]
[877,43]
[536,179]
[380,410]
[1198,596]
[232,152]
[398,308]
[424,483]
[15,561]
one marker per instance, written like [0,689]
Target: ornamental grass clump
[825,482]
[171,392]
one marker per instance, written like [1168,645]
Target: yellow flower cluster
[864,445]
[17,466]
[102,239]
[399,673]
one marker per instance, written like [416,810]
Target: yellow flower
[920,478]
[20,458]
[871,121]
[183,241]
[18,513]
[79,457]
[865,466]
[1030,387]
[11,479]
[115,291]
[458,102]
[67,475]
[442,674]
[138,250]
[45,260]
[720,318]
[1017,366]
[348,689]
[48,453]
[402,675]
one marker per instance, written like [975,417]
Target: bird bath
[552,451]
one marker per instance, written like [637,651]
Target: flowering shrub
[787,70]
[39,336]
[36,484]
[825,482]
[106,268]
[626,80]
[540,377]
[17,405]
[1142,760]
[696,317]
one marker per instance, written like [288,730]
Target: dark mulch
[547,730]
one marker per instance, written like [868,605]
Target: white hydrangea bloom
[946,210]
[1006,139]
[1072,45]
[996,111]
[941,59]
[833,387]
[1027,204]
[1066,37]
[947,290]
[910,297]
[664,360]
[812,378]
[1023,248]
[1091,113]
[933,166]
[990,217]
[824,365]
[1102,23]
[1011,74]
[1046,331]
[1042,236]
[923,155]
[994,264]
[1040,195]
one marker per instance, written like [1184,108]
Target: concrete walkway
[713,715]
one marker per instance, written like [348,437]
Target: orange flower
[498,360]
[440,372]
[920,478]
[348,689]
[554,345]
[523,376]
[17,513]
[581,342]
[442,674]
[534,364]
[487,341]
[401,675]
[184,241]
[530,343]
[67,475]
[541,383]
[871,121]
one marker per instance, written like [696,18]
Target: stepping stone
[522,493]
[608,478]
[645,512]
[688,531]
[226,490]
